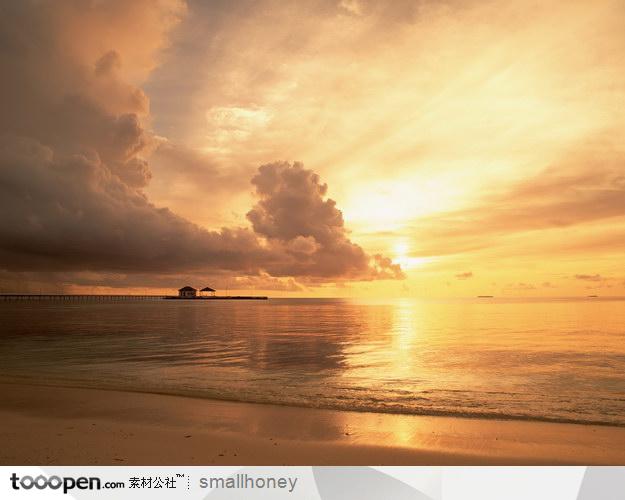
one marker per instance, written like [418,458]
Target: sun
[401,256]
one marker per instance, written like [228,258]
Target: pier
[218,297]
[77,297]
[113,298]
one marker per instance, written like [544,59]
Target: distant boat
[485,296]
[593,296]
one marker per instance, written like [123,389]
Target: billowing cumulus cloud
[297,219]
[74,162]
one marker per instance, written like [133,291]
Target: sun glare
[401,252]
[389,205]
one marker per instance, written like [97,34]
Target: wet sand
[45,425]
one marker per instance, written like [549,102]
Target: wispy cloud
[590,277]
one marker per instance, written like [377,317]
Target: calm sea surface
[560,360]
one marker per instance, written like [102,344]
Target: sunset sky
[317,148]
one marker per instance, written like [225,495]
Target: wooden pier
[77,297]
[112,298]
[218,297]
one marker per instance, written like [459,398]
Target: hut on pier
[187,291]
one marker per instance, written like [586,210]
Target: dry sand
[70,426]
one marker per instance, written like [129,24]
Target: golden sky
[478,145]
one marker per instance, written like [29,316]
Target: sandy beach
[47,425]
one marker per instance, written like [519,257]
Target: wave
[338,404]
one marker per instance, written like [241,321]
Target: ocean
[560,360]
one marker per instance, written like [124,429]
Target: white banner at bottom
[315,483]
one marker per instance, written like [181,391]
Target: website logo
[42,482]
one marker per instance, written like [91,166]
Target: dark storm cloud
[74,159]
[74,213]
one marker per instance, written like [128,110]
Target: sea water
[557,360]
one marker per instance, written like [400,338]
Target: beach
[307,381]
[51,425]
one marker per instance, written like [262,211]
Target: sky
[347,148]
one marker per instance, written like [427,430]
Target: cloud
[353,7]
[520,287]
[74,164]
[65,84]
[201,188]
[297,220]
[262,282]
[108,63]
[464,276]
[585,190]
[153,283]
[557,198]
[73,213]
[493,95]
[590,277]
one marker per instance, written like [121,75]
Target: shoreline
[68,384]
[42,425]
